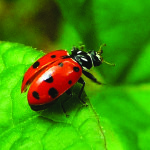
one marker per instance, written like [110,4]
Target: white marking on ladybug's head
[84,59]
[98,56]
[91,59]
[79,52]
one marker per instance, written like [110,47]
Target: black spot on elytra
[76,69]
[53,56]
[36,64]
[35,95]
[69,82]
[61,64]
[53,92]
[49,79]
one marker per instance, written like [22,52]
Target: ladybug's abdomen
[54,81]
[40,64]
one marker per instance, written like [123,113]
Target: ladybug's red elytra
[56,72]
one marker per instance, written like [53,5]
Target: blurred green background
[123,104]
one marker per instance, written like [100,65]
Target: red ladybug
[56,72]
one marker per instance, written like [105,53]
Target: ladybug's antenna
[108,63]
[100,51]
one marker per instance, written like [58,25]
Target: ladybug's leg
[64,110]
[83,84]
[80,93]
[68,92]
[90,76]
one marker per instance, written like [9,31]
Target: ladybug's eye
[96,58]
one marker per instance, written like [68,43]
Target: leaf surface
[48,129]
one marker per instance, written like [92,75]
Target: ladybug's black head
[96,57]
[88,59]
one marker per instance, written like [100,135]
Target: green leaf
[123,103]
[22,128]
[127,109]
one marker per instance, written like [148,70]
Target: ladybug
[56,72]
